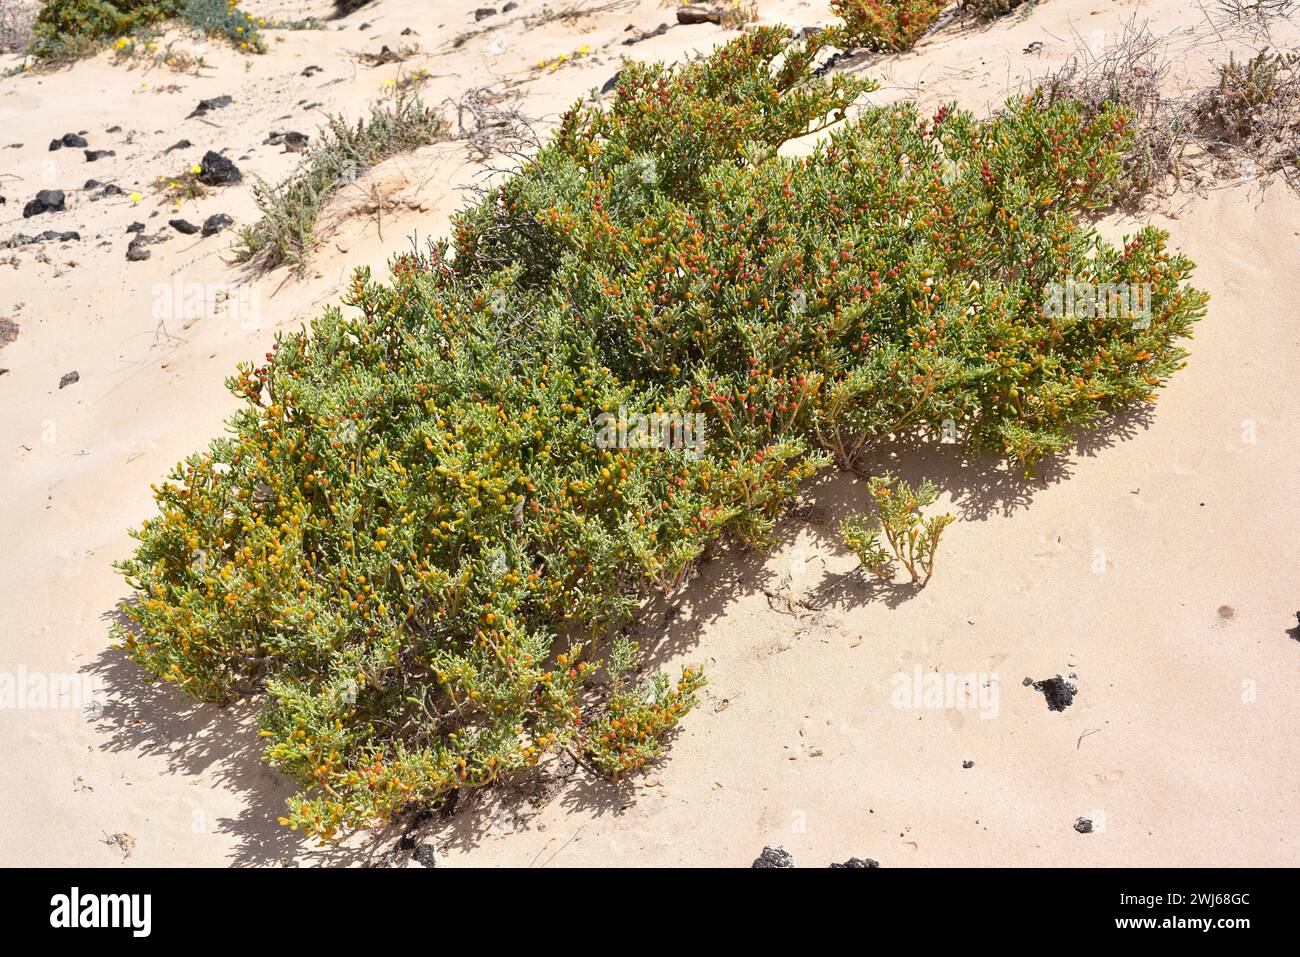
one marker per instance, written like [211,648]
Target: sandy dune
[1159,564]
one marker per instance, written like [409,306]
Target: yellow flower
[196,169]
[135,197]
[584,49]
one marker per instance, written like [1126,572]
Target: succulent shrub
[638,716]
[892,26]
[411,544]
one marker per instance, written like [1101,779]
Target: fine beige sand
[1159,563]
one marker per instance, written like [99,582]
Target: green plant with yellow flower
[551,64]
[224,18]
[67,28]
[181,186]
[145,50]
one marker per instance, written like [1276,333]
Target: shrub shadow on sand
[193,738]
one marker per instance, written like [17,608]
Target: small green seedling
[860,536]
[913,537]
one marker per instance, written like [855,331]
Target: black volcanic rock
[291,140]
[70,140]
[696,14]
[773,857]
[216,103]
[50,235]
[46,201]
[426,855]
[216,223]
[1058,692]
[646,34]
[216,170]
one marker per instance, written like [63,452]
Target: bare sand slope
[1158,564]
